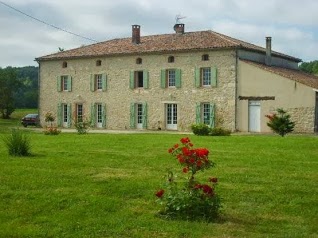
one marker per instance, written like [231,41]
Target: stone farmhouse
[170,81]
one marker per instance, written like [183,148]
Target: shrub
[190,199]
[49,118]
[280,122]
[200,129]
[82,126]
[51,130]
[219,131]
[17,143]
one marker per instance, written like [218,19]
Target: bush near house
[204,130]
[280,122]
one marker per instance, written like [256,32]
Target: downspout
[39,91]
[236,89]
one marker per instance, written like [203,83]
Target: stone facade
[118,96]
[303,117]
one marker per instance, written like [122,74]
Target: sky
[292,24]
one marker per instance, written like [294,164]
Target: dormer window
[205,57]
[170,59]
[64,64]
[98,62]
[139,61]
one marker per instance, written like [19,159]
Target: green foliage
[82,126]
[219,131]
[310,67]
[280,122]
[17,143]
[8,85]
[200,129]
[192,200]
[51,130]
[27,95]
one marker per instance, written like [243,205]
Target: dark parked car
[30,119]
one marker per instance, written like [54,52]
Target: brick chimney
[268,57]
[135,34]
[179,28]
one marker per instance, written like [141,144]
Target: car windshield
[32,115]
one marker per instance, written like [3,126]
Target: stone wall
[303,117]
[119,96]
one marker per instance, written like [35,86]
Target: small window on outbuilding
[205,57]
[170,59]
[98,62]
[64,64]
[139,61]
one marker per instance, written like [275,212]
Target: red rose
[191,160]
[185,140]
[160,193]
[185,170]
[198,186]
[207,189]
[170,150]
[181,159]
[199,163]
[213,180]
[176,146]
[190,144]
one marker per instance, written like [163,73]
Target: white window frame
[99,82]
[171,78]
[206,113]
[206,77]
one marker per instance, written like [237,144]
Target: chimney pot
[268,57]
[135,34]
[179,28]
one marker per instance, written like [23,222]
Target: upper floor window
[98,62]
[170,78]
[170,59]
[64,64]
[64,83]
[139,61]
[205,57]
[98,82]
[138,79]
[206,76]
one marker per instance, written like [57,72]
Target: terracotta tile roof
[296,75]
[199,40]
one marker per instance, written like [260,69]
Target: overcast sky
[293,24]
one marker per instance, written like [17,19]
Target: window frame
[171,59]
[205,77]
[205,57]
[79,112]
[171,78]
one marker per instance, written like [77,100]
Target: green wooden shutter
[92,83]
[132,115]
[69,115]
[104,82]
[198,113]
[197,78]
[59,114]
[163,80]
[132,80]
[146,79]
[214,77]
[93,112]
[104,115]
[178,78]
[144,115]
[212,115]
[69,83]
[58,83]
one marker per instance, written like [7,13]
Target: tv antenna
[178,18]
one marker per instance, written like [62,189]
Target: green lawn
[103,185]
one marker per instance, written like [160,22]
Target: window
[170,78]
[98,82]
[64,83]
[206,76]
[64,64]
[139,61]
[205,113]
[98,115]
[79,112]
[98,62]
[138,115]
[170,59]
[64,115]
[138,79]
[205,57]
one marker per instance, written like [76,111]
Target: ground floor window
[205,113]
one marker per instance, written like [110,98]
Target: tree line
[310,67]
[18,89]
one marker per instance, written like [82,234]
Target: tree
[8,85]
[280,122]
[310,67]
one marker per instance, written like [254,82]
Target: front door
[172,116]
[139,116]
[99,118]
[65,115]
[254,116]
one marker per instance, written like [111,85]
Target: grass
[15,121]
[103,185]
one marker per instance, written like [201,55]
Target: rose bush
[189,198]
